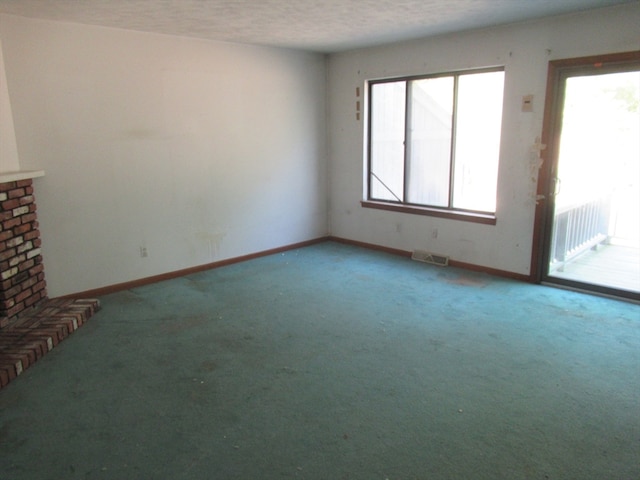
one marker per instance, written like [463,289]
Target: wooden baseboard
[370,246]
[491,271]
[98,292]
[453,263]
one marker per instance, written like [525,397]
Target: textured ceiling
[317,25]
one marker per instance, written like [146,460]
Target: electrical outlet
[143,251]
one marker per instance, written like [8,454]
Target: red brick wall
[22,283]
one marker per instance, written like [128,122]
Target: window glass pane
[477,143]
[430,141]
[387,141]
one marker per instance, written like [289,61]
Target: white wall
[201,151]
[525,50]
[8,150]
[197,151]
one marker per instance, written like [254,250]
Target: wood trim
[370,246]
[544,176]
[98,292]
[612,293]
[597,61]
[484,218]
[550,137]
[491,271]
[453,263]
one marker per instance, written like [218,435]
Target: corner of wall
[8,146]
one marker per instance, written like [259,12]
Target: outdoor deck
[614,266]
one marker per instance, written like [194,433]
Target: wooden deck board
[609,265]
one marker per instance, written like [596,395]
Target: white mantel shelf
[6,177]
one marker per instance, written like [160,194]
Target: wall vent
[432,258]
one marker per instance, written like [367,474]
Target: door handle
[557,186]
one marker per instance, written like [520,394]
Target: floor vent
[428,257]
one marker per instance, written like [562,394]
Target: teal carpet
[334,362]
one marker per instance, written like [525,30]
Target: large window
[434,141]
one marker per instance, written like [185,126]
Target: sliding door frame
[558,72]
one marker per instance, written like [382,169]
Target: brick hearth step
[29,337]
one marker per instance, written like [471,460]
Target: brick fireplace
[22,283]
[31,324]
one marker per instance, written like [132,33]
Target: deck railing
[579,228]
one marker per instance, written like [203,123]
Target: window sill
[484,218]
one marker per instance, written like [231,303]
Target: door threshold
[629,297]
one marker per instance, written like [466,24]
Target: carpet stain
[199,286]
[208,366]
[467,281]
[129,297]
[183,324]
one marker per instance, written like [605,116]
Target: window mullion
[454,121]
[407,139]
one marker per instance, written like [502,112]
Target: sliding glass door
[591,188]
